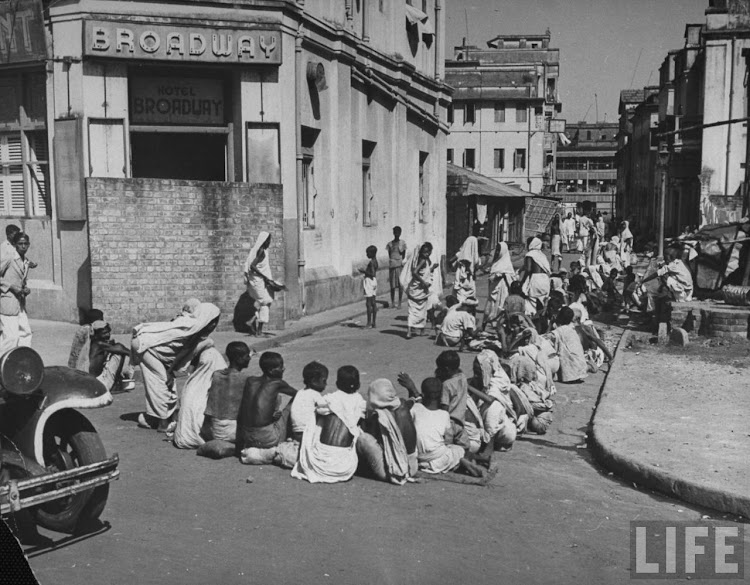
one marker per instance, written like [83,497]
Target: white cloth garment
[256,285]
[194,398]
[303,409]
[319,463]
[435,456]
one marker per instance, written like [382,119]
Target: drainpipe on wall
[299,84]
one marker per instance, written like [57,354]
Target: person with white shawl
[626,242]
[328,452]
[536,276]
[194,398]
[422,288]
[387,449]
[469,251]
[489,422]
[161,349]
[260,285]
[502,274]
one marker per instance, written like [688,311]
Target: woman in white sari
[536,276]
[626,243]
[502,274]
[194,398]
[469,251]
[417,280]
[161,349]
[260,286]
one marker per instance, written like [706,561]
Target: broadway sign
[182,44]
[22,36]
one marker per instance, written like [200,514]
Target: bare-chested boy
[259,422]
[225,395]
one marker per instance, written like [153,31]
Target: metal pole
[662,205]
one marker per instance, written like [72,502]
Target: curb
[631,469]
[285,337]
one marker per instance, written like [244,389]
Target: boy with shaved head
[260,424]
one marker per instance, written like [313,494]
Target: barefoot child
[370,285]
[396,249]
[436,453]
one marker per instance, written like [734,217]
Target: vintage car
[54,470]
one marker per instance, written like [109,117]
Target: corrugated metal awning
[481,185]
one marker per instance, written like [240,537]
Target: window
[367,194]
[469,158]
[450,114]
[499,158]
[499,112]
[588,135]
[450,155]
[521,113]
[173,142]
[470,114]
[381,5]
[519,159]
[24,156]
[423,187]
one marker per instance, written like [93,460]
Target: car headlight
[21,371]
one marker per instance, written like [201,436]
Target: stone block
[662,335]
[679,337]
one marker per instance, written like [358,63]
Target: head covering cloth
[536,254]
[148,335]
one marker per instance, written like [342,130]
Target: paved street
[549,515]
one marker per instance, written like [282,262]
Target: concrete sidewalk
[677,424]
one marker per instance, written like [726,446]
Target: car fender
[63,389]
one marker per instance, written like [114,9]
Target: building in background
[505,96]
[637,198]
[158,139]
[691,130]
[586,174]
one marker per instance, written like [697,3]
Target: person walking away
[14,272]
[163,348]
[396,249]
[260,285]
[469,251]
[570,231]
[601,233]
[417,279]
[555,232]
[536,277]
[370,285]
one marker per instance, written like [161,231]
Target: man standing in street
[14,270]
[396,252]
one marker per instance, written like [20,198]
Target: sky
[605,45]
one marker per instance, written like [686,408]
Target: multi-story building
[586,174]
[144,146]
[636,198]
[505,95]
[697,146]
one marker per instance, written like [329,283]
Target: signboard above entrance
[160,42]
[176,100]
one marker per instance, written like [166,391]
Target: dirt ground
[699,396]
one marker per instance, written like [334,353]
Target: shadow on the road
[547,443]
[401,334]
[401,318]
[36,551]
[130,416]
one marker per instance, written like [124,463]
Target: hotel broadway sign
[160,42]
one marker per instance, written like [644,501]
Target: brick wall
[155,243]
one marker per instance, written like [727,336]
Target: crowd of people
[535,332]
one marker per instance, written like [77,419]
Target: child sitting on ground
[609,288]
[225,395]
[259,422]
[370,285]
[109,361]
[436,451]
[458,325]
[315,377]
